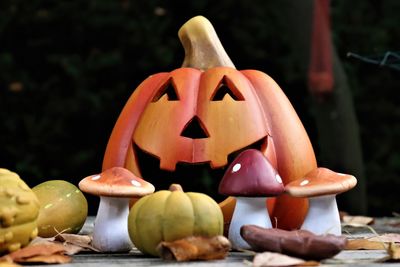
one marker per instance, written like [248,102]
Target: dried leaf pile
[388,241]
[50,250]
[43,253]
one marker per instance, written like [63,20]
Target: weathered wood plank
[360,258]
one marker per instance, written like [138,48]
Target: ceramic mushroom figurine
[321,187]
[251,179]
[115,186]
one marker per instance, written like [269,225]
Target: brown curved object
[298,243]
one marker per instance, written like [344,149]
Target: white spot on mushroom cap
[305,182]
[136,183]
[236,167]
[341,174]
[96,177]
[278,178]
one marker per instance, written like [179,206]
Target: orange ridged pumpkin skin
[256,109]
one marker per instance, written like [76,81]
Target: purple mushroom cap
[251,175]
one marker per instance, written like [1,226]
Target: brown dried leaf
[70,249]
[364,244]
[77,242]
[74,239]
[9,264]
[358,220]
[391,237]
[50,259]
[42,250]
[36,250]
[277,259]
[394,252]
[73,243]
[195,248]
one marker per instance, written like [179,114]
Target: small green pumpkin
[19,210]
[171,215]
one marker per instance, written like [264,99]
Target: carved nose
[195,129]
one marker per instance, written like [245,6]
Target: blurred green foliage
[68,67]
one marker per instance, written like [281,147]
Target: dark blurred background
[68,67]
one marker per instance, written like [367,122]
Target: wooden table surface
[353,258]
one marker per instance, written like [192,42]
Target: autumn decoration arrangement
[206,112]
[279,203]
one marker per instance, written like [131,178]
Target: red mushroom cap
[252,175]
[116,182]
[319,182]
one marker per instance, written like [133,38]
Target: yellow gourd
[171,215]
[19,209]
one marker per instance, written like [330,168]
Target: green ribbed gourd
[171,215]
[19,210]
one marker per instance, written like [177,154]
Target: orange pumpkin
[232,110]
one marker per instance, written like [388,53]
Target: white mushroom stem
[111,225]
[248,210]
[323,216]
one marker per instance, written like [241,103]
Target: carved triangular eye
[223,89]
[167,89]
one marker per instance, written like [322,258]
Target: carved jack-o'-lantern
[203,114]
[221,102]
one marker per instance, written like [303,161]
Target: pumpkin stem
[203,49]
[175,187]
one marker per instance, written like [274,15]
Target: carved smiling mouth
[197,177]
